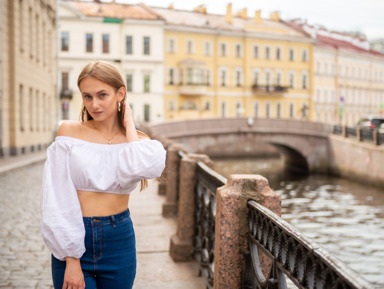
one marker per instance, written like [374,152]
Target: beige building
[348,77]
[28,105]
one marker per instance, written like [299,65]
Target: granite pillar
[171,188]
[181,246]
[231,225]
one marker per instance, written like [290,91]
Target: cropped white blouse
[73,164]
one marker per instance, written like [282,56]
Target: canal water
[343,216]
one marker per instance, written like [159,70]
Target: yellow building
[234,66]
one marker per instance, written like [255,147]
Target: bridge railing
[293,255]
[362,134]
[233,229]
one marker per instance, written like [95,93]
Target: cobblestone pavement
[24,259]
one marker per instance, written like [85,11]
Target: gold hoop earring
[118,106]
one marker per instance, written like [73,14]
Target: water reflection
[343,216]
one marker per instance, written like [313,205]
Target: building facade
[130,37]
[28,63]
[348,77]
[234,66]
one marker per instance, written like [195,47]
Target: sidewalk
[155,268]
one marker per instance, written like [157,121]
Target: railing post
[172,168]
[231,225]
[359,133]
[181,247]
[344,131]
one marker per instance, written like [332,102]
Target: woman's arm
[130,128]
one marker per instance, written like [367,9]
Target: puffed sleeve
[144,159]
[61,218]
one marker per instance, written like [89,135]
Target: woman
[91,168]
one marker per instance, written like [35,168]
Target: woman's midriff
[101,204]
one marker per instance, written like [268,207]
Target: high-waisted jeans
[110,257]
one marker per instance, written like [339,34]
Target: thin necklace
[108,139]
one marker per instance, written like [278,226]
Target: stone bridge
[304,145]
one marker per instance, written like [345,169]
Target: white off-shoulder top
[73,164]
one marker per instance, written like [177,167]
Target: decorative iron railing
[337,129]
[205,211]
[293,255]
[351,132]
[366,134]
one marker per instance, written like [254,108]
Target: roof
[115,10]
[195,19]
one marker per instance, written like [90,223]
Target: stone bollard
[181,247]
[163,179]
[171,189]
[376,139]
[231,226]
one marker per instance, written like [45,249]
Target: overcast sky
[366,16]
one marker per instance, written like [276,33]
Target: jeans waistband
[106,220]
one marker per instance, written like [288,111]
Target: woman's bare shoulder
[70,128]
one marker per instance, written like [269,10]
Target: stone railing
[360,133]
[233,229]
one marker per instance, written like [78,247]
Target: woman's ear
[121,93]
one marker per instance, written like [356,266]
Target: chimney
[257,18]
[243,14]
[200,9]
[274,16]
[228,16]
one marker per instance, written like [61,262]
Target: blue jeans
[110,257]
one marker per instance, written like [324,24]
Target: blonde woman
[91,169]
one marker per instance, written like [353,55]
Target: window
[278,78]
[147,45]
[207,105]
[291,54]
[304,80]
[268,110]
[318,67]
[105,43]
[147,112]
[292,79]
[238,77]
[238,50]
[278,53]
[21,26]
[223,49]
[304,56]
[64,81]
[129,79]
[128,44]
[89,42]
[256,77]
[318,96]
[223,77]
[267,78]
[171,45]
[207,48]
[255,51]
[171,105]
[239,109]
[190,46]
[291,110]
[223,109]
[189,76]
[21,107]
[256,109]
[31,110]
[267,52]
[278,110]
[147,80]
[30,36]
[171,76]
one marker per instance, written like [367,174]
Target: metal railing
[205,211]
[293,255]
[363,134]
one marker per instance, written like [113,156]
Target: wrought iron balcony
[66,93]
[269,89]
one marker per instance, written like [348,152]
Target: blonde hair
[110,75]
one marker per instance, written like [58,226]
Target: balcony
[66,93]
[193,89]
[269,89]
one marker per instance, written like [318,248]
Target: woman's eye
[103,94]
[87,96]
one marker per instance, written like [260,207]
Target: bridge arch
[304,144]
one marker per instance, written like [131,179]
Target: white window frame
[256,109]
[209,51]
[258,51]
[236,70]
[187,41]
[225,54]
[169,47]
[241,55]
[294,79]
[221,69]
[304,73]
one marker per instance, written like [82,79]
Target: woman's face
[100,99]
